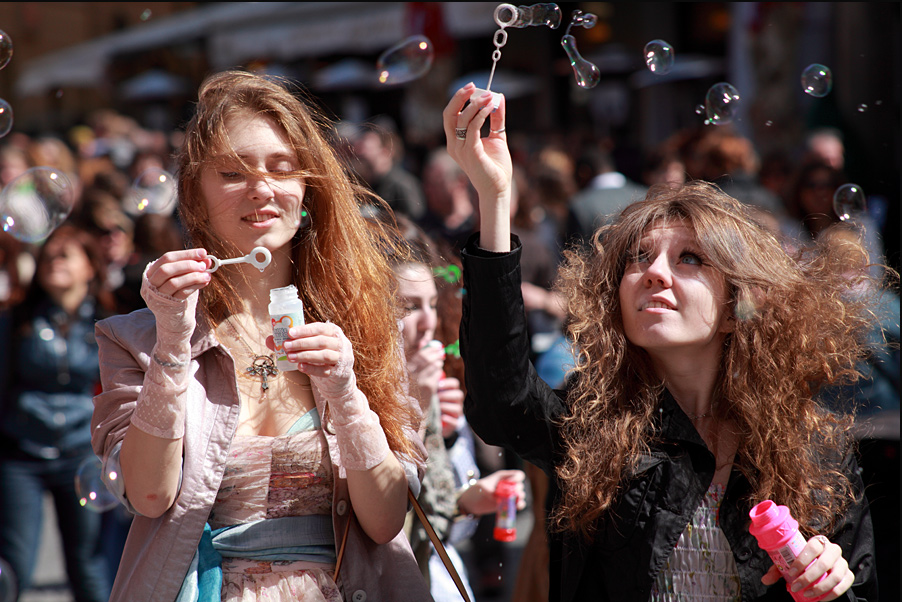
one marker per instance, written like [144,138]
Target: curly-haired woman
[701,346]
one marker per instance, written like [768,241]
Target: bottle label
[785,555]
[280,326]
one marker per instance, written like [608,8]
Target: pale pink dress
[270,477]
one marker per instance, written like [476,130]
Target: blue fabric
[271,539]
[308,422]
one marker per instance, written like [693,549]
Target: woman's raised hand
[486,161]
[169,289]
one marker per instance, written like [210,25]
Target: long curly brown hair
[800,325]
[340,272]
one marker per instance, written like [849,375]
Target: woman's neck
[69,299]
[253,286]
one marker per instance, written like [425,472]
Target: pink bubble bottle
[778,534]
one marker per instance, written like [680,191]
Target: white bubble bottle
[285,310]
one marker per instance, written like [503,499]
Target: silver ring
[821,538]
[460,133]
[499,130]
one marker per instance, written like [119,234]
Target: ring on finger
[499,130]
[460,133]
[824,541]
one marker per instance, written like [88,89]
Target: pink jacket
[158,551]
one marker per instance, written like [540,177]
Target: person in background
[51,374]
[700,347]
[449,216]
[604,191]
[453,493]
[379,151]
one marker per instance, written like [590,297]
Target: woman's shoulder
[137,329]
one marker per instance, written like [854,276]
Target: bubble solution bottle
[506,511]
[285,310]
[778,534]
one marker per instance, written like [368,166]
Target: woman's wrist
[459,512]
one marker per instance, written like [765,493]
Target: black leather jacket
[509,405]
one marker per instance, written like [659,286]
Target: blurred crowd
[52,292]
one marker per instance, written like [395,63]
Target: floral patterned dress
[272,477]
[701,566]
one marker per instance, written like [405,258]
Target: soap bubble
[849,202]
[508,15]
[587,74]
[817,80]
[89,487]
[154,191]
[33,204]
[862,108]
[9,584]
[6,118]
[6,49]
[658,57]
[405,61]
[721,104]
[699,109]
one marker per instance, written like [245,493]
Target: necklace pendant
[263,366]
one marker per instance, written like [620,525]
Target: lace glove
[361,440]
[160,408]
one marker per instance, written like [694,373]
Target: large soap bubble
[658,57]
[817,80]
[6,49]
[33,204]
[89,486]
[6,118]
[849,202]
[721,104]
[406,61]
[154,191]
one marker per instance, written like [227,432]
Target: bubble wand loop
[252,258]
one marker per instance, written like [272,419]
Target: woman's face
[416,289]
[259,209]
[673,302]
[64,266]
[816,192]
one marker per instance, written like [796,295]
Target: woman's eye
[691,259]
[229,175]
[641,256]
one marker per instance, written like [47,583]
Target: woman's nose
[659,272]
[259,188]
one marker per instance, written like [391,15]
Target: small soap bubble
[862,108]
[89,487]
[768,123]
[658,57]
[34,203]
[700,109]
[146,14]
[405,61]
[817,80]
[849,202]
[6,118]
[9,584]
[154,191]
[721,104]
[6,49]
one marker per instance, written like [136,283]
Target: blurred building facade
[146,60]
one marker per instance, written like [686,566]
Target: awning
[235,33]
